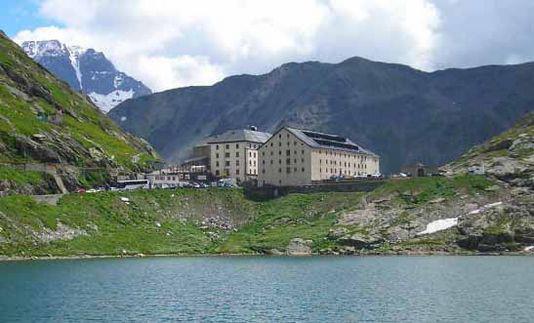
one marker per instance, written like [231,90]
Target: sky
[176,43]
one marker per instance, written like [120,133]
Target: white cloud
[170,44]
[182,70]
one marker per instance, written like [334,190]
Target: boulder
[299,247]
[359,240]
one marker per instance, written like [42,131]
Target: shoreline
[397,254]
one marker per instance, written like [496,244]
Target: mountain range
[403,114]
[86,70]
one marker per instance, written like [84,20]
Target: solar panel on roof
[324,136]
[336,144]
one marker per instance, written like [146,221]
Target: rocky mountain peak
[86,70]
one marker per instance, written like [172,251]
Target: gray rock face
[86,70]
[299,247]
[402,114]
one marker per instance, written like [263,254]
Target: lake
[281,289]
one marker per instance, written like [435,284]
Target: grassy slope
[26,88]
[114,226]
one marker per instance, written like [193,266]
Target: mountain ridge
[404,114]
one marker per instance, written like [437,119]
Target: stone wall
[266,192]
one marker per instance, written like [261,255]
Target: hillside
[401,113]
[43,121]
[460,213]
[86,70]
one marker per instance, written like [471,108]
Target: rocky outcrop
[299,247]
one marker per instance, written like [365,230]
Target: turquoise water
[239,289]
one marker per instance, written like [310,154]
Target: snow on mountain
[108,101]
[86,70]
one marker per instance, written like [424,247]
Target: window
[263,162]
[302,169]
[271,144]
[280,144]
[217,164]
[236,145]
[288,170]
[237,153]
[294,143]
[216,147]
[263,153]
[237,171]
[288,152]
[217,155]
[302,159]
[288,161]
[227,163]
[217,173]
[302,151]
[249,154]
[279,170]
[263,171]
[280,161]
[237,162]
[227,155]
[271,153]
[227,146]
[271,161]
[295,169]
[280,136]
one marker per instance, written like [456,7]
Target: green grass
[20,177]
[422,190]
[306,216]
[113,225]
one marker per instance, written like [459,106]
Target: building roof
[316,139]
[240,135]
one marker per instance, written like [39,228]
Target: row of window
[288,152]
[334,162]
[288,170]
[341,172]
[227,146]
[226,172]
[227,163]
[227,155]
[288,161]
[343,155]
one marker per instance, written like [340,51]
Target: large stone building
[300,157]
[234,153]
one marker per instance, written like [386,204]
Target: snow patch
[444,224]
[439,225]
[107,101]
[484,208]
[74,56]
